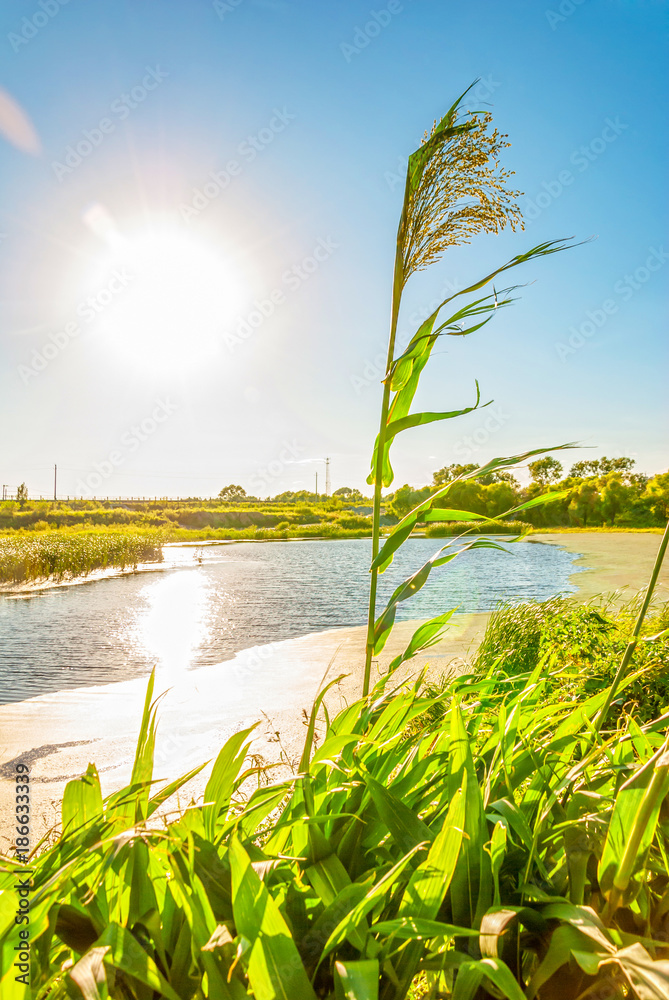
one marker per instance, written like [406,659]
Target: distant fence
[32,498]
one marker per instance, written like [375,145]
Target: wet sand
[58,734]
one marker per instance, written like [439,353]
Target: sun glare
[163,300]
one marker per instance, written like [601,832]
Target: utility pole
[327,477]
[316,485]
[55,479]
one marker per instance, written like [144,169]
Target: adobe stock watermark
[120,109]
[129,442]
[564,11]
[363,35]
[581,158]
[88,310]
[32,25]
[374,369]
[471,443]
[624,290]
[480,93]
[291,279]
[247,151]
[223,7]
[266,475]
[250,661]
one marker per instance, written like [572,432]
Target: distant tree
[233,492]
[301,496]
[451,472]
[601,467]
[499,497]
[614,498]
[22,494]
[584,469]
[406,498]
[657,492]
[585,505]
[346,493]
[545,470]
[622,465]
[638,481]
[500,477]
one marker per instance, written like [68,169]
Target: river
[208,602]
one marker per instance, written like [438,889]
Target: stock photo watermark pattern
[581,158]
[32,24]
[129,443]
[247,150]
[120,109]
[291,280]
[624,289]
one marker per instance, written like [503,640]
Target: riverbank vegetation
[594,494]
[45,554]
[54,555]
[604,493]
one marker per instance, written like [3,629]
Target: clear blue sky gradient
[354,101]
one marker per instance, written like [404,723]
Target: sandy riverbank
[58,734]
[611,561]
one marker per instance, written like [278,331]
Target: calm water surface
[213,601]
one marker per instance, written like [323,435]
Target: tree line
[603,492]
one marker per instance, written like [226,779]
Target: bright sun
[164,300]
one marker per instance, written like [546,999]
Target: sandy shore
[611,561]
[58,734]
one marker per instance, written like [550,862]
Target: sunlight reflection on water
[173,624]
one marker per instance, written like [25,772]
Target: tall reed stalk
[455,188]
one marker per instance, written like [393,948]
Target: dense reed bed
[55,555]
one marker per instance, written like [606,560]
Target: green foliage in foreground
[57,555]
[499,849]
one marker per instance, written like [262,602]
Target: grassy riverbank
[28,556]
[58,555]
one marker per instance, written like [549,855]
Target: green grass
[59,555]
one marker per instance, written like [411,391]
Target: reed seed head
[456,188]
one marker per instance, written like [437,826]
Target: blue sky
[256,149]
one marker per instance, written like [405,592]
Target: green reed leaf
[274,966]
[221,782]
[82,800]
[357,980]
